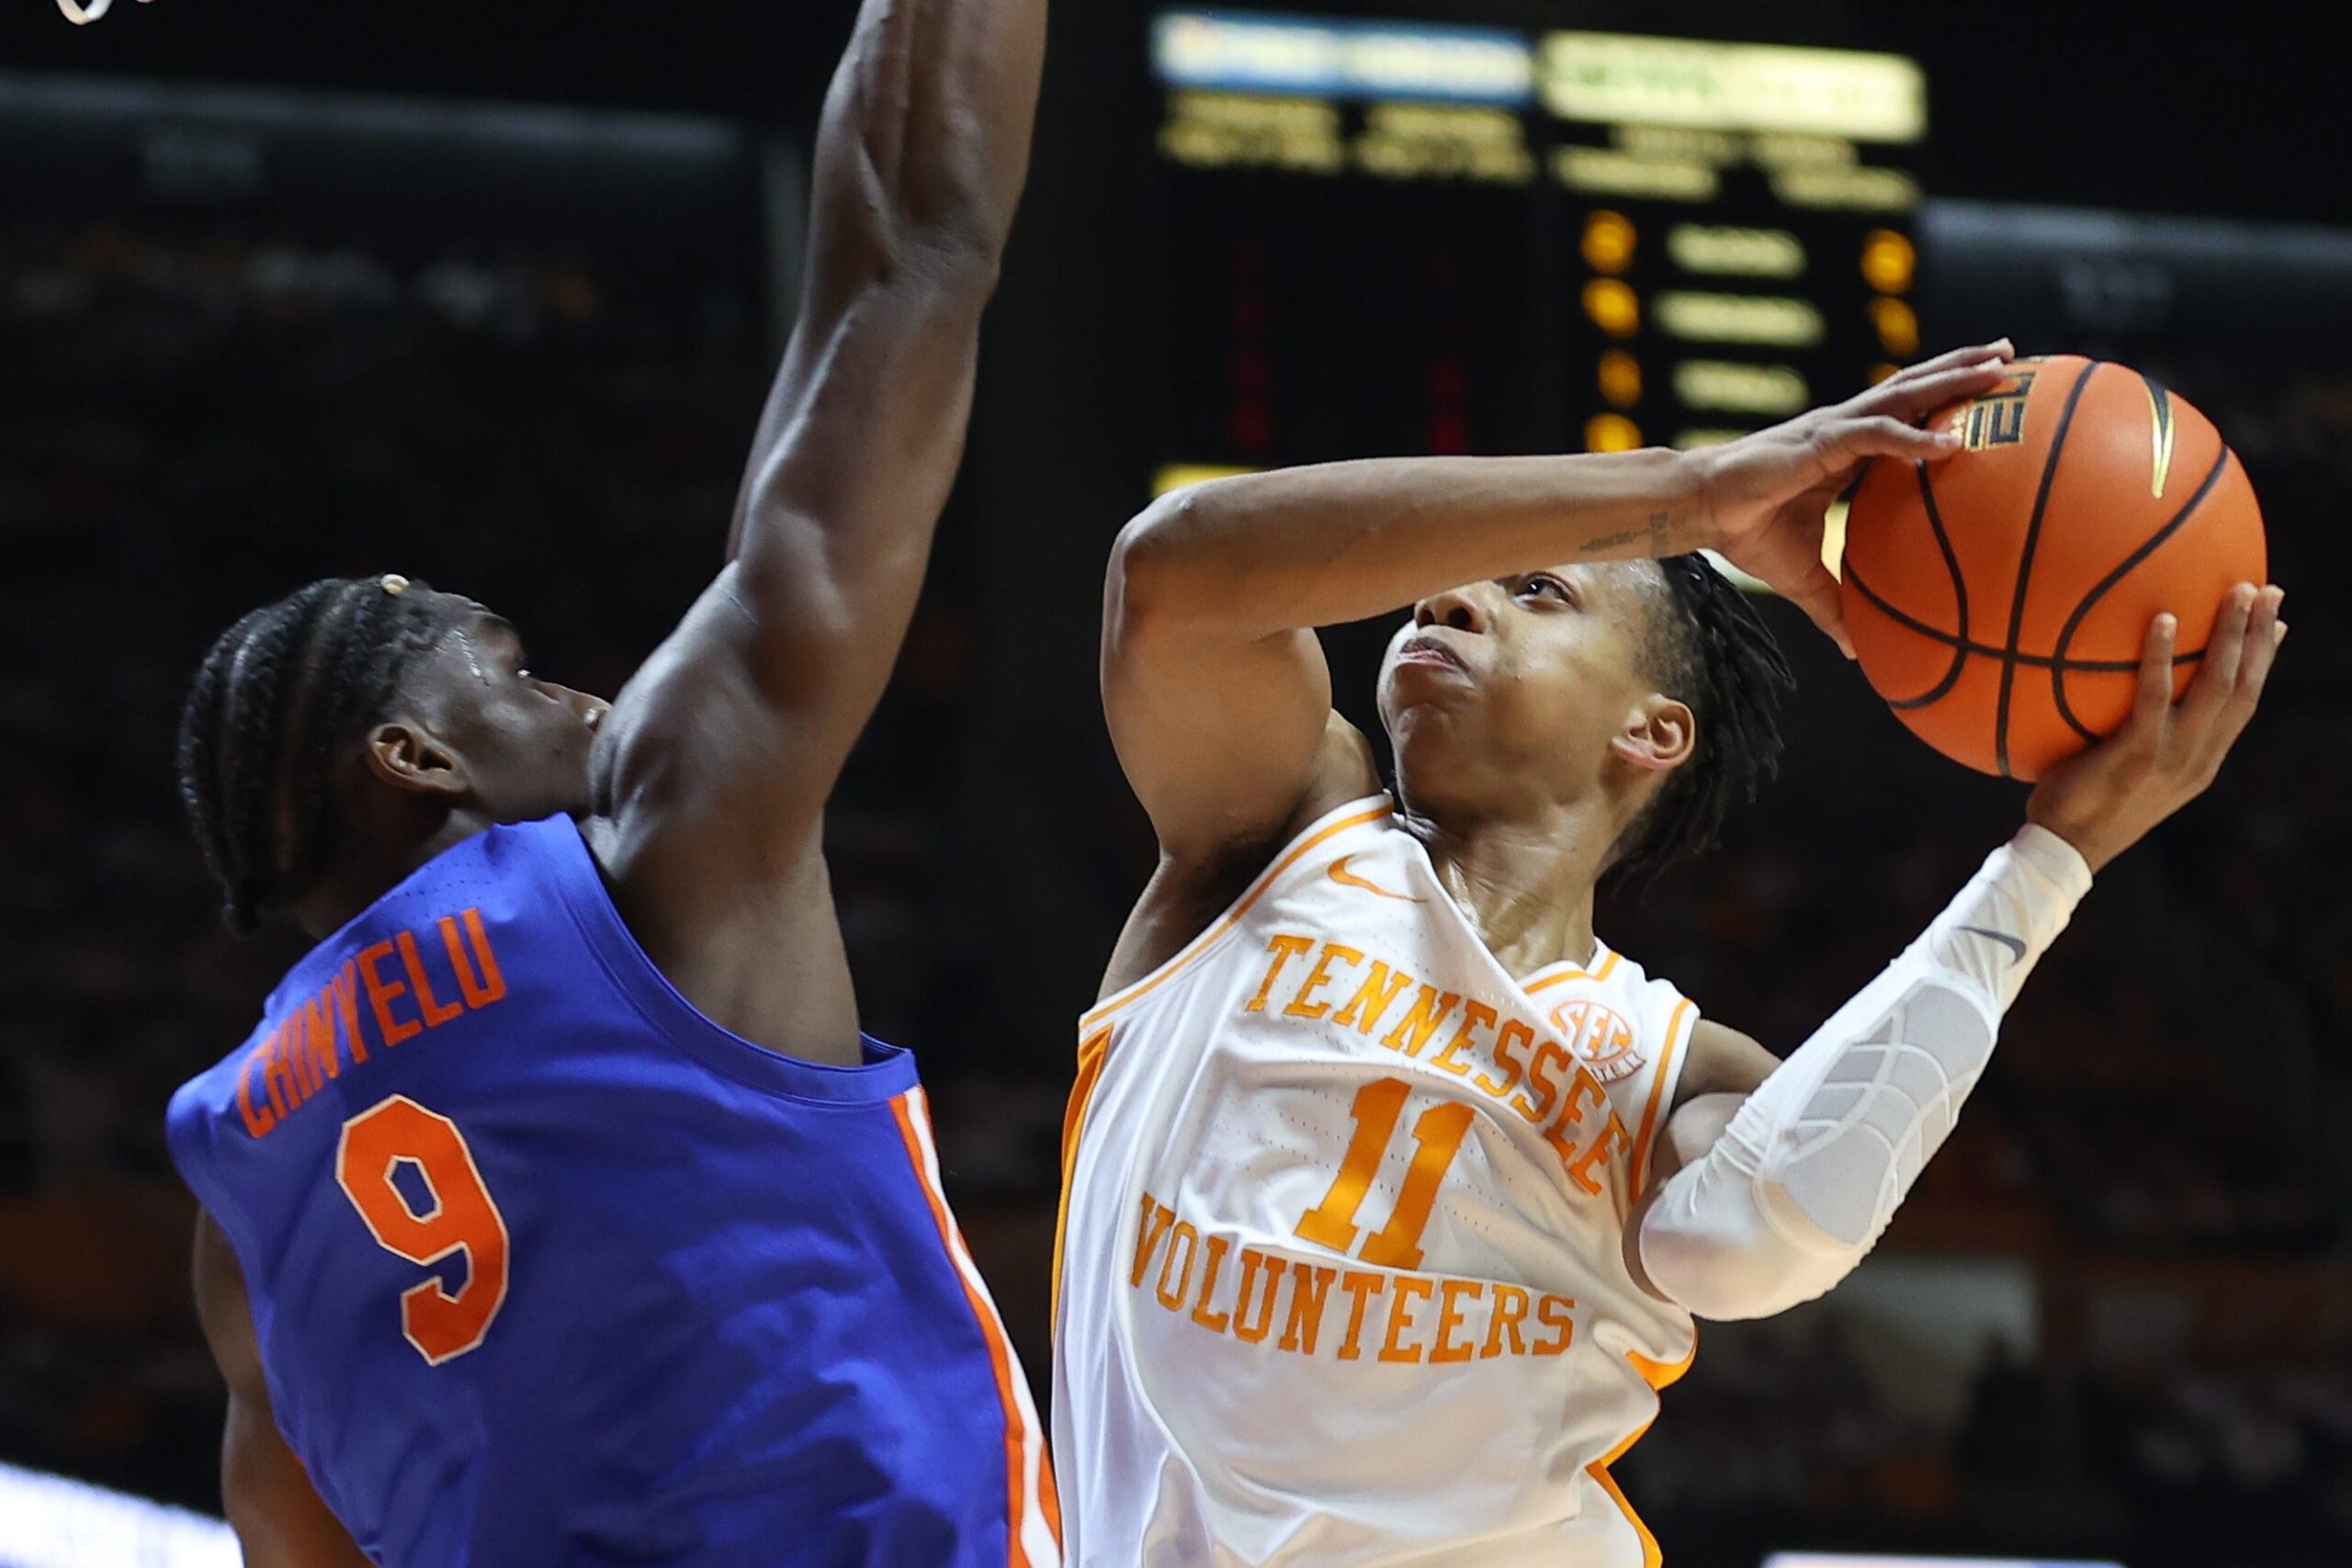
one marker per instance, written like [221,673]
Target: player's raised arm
[1789,1171]
[725,747]
[1216,692]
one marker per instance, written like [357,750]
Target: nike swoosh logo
[2016,948]
[1346,878]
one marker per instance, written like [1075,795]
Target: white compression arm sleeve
[1799,1189]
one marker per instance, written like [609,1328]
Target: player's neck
[1525,880]
[372,867]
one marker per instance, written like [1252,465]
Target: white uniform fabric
[1342,1279]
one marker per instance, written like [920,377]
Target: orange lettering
[1473,1014]
[1583,1089]
[1372,998]
[1430,1010]
[1173,1299]
[1525,1036]
[346,988]
[1449,1319]
[1536,1110]
[1309,1287]
[1400,1319]
[1362,1287]
[492,985]
[1611,1138]
[318,1040]
[435,1012]
[1157,1217]
[1511,1311]
[1252,1261]
[294,1043]
[380,996]
[278,1072]
[1284,949]
[1213,1322]
[1319,977]
[1560,1320]
[257,1122]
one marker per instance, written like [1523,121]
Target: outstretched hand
[1767,496]
[2167,754]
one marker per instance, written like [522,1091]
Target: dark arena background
[491,296]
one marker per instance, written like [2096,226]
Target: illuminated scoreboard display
[1389,238]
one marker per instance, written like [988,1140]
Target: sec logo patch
[1600,1039]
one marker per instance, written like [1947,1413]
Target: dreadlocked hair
[1710,650]
[281,695]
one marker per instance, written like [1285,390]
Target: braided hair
[1709,648]
[279,697]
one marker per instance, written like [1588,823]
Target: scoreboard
[1389,237]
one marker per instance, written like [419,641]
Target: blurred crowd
[191,425]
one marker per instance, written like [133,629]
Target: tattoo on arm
[1657,535]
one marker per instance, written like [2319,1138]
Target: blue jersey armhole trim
[888,1072]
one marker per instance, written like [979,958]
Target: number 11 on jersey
[1437,1133]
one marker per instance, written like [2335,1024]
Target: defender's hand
[1765,496]
[2166,755]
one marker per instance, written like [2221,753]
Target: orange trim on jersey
[1608,968]
[1599,1470]
[1662,1374]
[1231,918]
[992,1332]
[1674,1033]
[1092,1054]
[1658,1374]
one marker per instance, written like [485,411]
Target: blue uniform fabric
[732,1334]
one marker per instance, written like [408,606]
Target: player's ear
[409,757]
[1659,736]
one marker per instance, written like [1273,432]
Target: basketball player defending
[557,1213]
[1392,1192]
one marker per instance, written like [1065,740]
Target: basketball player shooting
[1392,1192]
[557,1212]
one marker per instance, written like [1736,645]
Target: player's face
[523,743]
[1499,695]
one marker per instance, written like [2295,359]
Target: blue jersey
[549,1269]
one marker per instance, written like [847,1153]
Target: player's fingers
[1952,359]
[2224,652]
[1851,440]
[1917,399]
[2264,632]
[1911,400]
[2151,702]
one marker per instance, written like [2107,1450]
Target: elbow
[1150,559]
[1721,1283]
[1720,1245]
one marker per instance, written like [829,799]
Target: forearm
[921,155]
[1799,1187]
[927,130]
[1319,546]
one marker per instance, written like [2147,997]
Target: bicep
[1224,740]
[279,1518]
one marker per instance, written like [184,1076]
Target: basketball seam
[2149,547]
[2025,567]
[2033,660]
[1960,596]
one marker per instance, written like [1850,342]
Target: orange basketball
[1998,599]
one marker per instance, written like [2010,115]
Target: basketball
[1999,600]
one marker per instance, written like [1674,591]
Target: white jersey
[1341,1278]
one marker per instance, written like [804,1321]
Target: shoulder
[1189,891]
